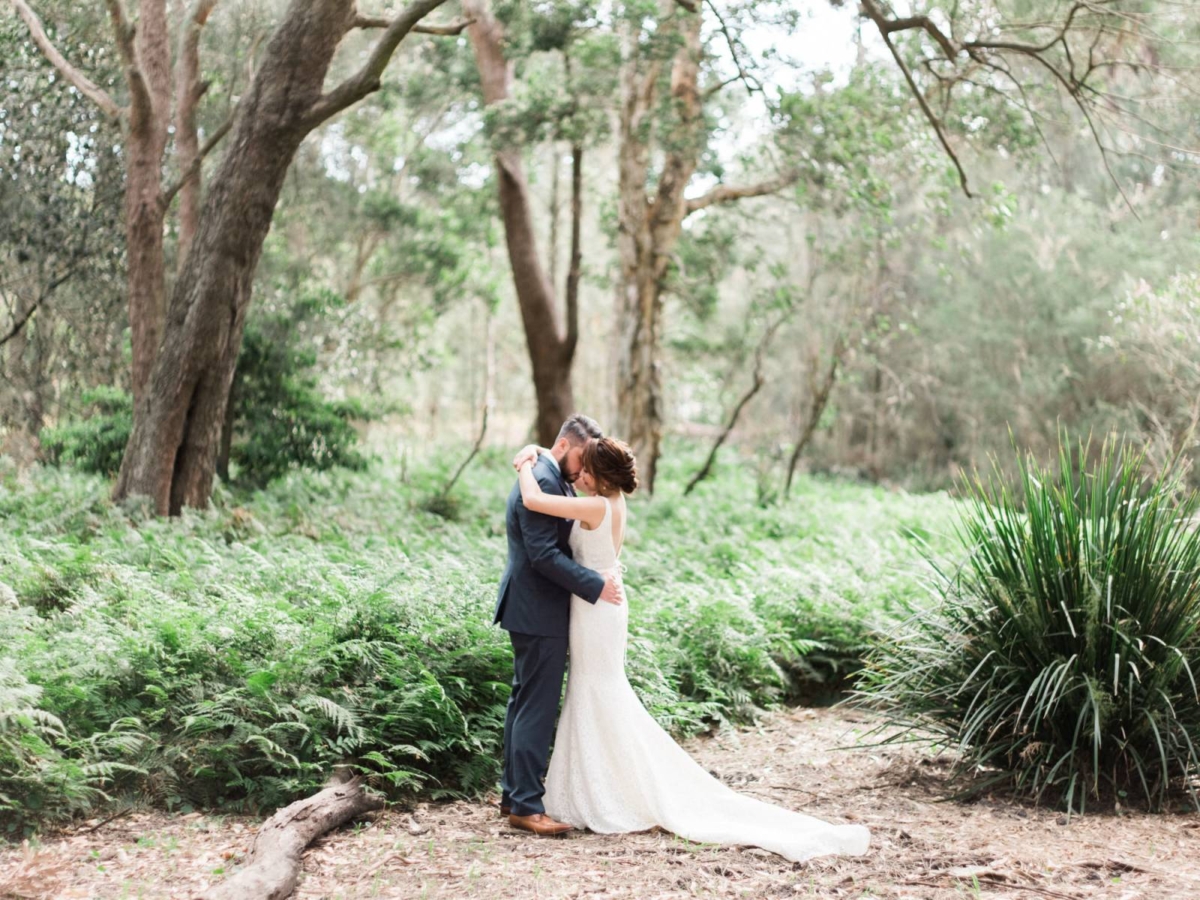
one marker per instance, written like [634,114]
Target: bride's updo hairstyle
[610,462]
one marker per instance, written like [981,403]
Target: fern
[342,718]
[229,659]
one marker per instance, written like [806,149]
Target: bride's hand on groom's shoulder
[528,453]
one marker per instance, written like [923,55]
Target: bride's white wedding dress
[615,770]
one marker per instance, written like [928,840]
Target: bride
[613,768]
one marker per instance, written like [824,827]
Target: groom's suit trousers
[539,664]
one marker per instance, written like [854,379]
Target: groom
[534,608]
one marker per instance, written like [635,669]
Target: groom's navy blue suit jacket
[541,576]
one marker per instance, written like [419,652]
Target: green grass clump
[1061,660]
[229,658]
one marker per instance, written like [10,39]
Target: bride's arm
[590,510]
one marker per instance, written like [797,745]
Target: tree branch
[367,79]
[886,28]
[938,128]
[82,83]
[447,30]
[753,85]
[19,321]
[890,26]
[719,86]
[169,193]
[273,864]
[756,385]
[141,107]
[819,400]
[1054,54]
[725,193]
[1026,105]
[189,90]
[575,271]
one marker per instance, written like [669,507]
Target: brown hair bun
[611,463]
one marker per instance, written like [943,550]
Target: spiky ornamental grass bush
[1061,659]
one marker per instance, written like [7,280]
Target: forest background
[283,285]
[821,246]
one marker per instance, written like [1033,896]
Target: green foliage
[705,258]
[229,658]
[840,137]
[1060,660]
[429,246]
[62,243]
[97,442]
[282,421]
[1156,334]
[567,65]
[789,595]
[37,778]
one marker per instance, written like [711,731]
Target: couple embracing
[614,769]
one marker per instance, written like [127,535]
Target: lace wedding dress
[615,770]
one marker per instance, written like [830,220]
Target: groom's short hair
[579,429]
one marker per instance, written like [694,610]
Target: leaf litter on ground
[923,848]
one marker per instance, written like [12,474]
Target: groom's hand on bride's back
[613,592]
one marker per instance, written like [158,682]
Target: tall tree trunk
[819,389]
[144,259]
[639,370]
[551,352]
[226,448]
[649,225]
[148,73]
[648,228]
[21,401]
[553,210]
[173,450]
[182,380]
[551,349]
[575,266]
[189,88]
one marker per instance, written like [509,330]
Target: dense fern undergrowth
[229,659]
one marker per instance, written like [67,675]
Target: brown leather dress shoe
[540,824]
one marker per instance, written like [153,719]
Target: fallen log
[273,866]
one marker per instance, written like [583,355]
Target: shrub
[281,420]
[1060,659]
[95,443]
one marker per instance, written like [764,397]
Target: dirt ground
[921,848]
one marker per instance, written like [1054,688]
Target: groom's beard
[569,477]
